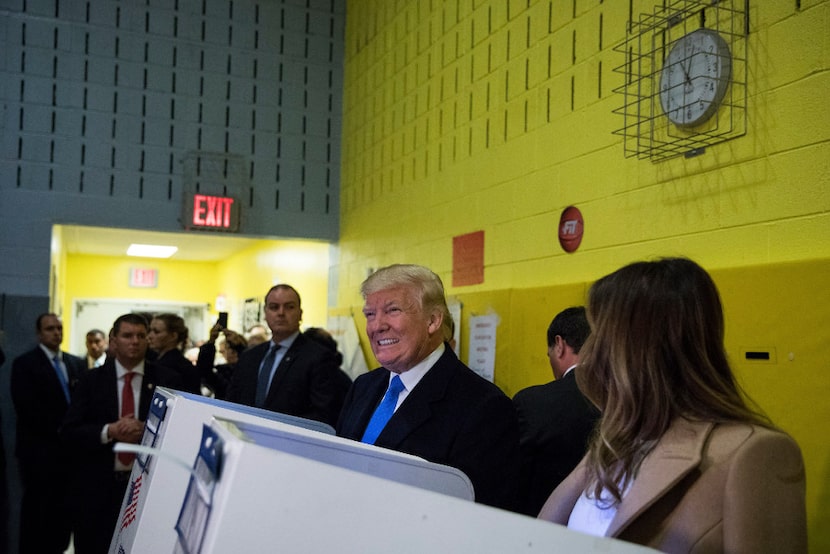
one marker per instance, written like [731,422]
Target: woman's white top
[592,516]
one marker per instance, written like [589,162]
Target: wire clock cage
[647,132]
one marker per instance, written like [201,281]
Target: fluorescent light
[151,250]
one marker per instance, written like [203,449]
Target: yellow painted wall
[460,117]
[301,264]
[108,277]
[247,274]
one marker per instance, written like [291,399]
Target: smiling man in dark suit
[110,405]
[290,374]
[442,410]
[42,381]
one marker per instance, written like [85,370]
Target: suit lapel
[109,380]
[417,408]
[678,452]
[247,371]
[564,496]
[368,400]
[48,370]
[73,369]
[284,367]
[148,389]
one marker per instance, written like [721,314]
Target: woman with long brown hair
[680,460]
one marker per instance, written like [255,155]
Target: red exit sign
[205,211]
[143,278]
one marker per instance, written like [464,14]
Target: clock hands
[693,93]
[685,71]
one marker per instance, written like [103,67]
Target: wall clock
[683,78]
[695,77]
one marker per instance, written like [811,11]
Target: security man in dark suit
[110,405]
[555,420]
[290,374]
[42,381]
[440,409]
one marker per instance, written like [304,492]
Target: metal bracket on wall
[647,133]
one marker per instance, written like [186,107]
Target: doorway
[100,313]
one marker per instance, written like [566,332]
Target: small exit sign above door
[144,278]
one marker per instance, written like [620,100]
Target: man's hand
[127,429]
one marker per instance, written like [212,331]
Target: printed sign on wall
[483,345]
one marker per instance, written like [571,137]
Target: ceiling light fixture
[151,251]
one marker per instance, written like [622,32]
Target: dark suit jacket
[555,424]
[40,405]
[453,417]
[175,360]
[94,404]
[304,384]
[708,488]
[217,378]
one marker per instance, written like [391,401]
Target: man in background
[42,382]
[257,334]
[555,420]
[290,373]
[96,348]
[436,407]
[110,405]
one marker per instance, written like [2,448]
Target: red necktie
[127,408]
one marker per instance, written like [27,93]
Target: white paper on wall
[344,331]
[483,345]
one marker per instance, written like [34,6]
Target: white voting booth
[174,428]
[247,496]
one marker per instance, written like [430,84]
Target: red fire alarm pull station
[571,227]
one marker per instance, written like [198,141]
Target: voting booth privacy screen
[246,496]
[158,481]
[174,430]
[220,477]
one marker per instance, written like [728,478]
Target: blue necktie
[264,378]
[56,361]
[383,412]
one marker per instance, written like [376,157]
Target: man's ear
[560,346]
[436,320]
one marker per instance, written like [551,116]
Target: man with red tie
[110,405]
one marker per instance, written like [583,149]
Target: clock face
[694,78]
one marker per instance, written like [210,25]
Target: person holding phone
[217,377]
[222,322]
